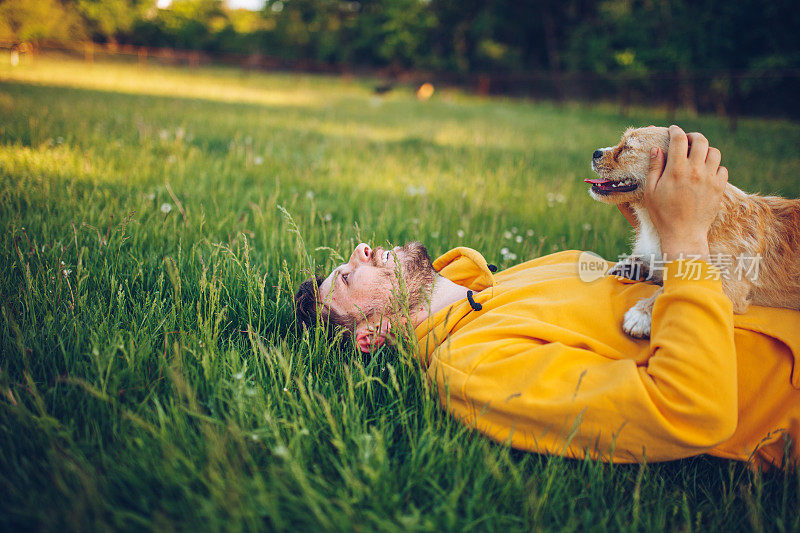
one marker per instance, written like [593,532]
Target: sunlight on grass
[221,85]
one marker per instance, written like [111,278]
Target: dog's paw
[637,322]
[633,268]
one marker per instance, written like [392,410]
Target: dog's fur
[747,226]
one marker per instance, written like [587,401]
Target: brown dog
[754,241]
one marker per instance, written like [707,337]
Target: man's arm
[577,396]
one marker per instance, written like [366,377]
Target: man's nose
[597,154]
[361,254]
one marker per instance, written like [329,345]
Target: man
[535,357]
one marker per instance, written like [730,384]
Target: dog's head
[623,168]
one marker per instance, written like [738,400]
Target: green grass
[151,375]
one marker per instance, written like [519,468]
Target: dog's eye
[344,278]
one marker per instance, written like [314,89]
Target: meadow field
[155,224]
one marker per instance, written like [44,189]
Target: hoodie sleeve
[568,399]
[691,376]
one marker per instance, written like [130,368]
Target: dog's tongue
[596,181]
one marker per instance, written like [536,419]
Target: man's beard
[417,272]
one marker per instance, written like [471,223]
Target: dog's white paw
[637,322]
[633,268]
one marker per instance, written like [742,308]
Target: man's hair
[308,307]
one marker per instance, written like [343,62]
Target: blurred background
[729,58]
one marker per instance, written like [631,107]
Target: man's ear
[374,333]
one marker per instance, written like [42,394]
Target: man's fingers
[678,144]
[714,159]
[656,169]
[722,176]
[699,147]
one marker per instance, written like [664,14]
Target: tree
[109,20]
[27,21]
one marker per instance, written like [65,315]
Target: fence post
[88,51]
[734,101]
[687,92]
[625,97]
[672,100]
[484,84]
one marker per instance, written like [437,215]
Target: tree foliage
[602,36]
[25,20]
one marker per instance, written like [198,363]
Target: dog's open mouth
[604,186]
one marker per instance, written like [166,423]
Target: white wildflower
[281,451]
[507,234]
[254,437]
[416,191]
[587,227]
[507,254]
[150,196]
[166,208]
[460,233]
[310,195]
[238,375]
[328,217]
[518,238]
[66,272]
[163,134]
[555,198]
[258,160]
[514,230]
[172,158]
[285,389]
[529,233]
[179,133]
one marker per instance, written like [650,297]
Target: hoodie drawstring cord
[472,303]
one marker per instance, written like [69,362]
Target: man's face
[368,284]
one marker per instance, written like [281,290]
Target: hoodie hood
[465,267]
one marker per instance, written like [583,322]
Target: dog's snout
[597,154]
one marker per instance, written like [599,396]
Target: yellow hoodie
[545,366]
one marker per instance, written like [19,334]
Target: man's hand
[683,199]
